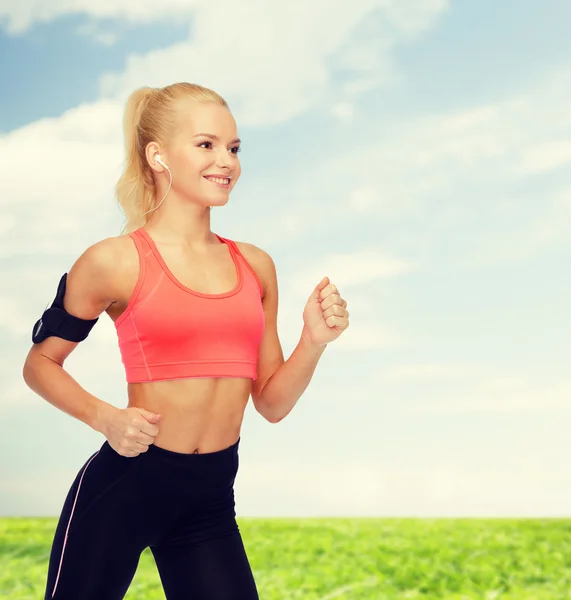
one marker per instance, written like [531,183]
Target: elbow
[30,374]
[32,369]
[264,407]
[27,372]
[270,418]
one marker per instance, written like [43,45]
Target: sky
[416,152]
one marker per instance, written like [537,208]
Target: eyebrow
[215,137]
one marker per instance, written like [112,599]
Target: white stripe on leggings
[69,522]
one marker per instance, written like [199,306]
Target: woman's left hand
[325,316]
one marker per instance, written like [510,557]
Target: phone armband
[57,321]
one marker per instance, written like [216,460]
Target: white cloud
[20,16]
[430,371]
[75,159]
[355,268]
[502,393]
[270,74]
[343,111]
[455,176]
[416,163]
[97,33]
[359,36]
[547,156]
[85,143]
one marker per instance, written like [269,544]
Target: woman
[195,315]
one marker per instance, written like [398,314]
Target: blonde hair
[150,117]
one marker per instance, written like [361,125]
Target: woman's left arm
[325,317]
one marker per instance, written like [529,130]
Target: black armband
[57,321]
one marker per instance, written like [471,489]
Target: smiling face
[204,143]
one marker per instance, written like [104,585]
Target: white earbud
[160,161]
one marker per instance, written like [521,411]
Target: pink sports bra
[169,331]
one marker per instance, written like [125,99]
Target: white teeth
[218,180]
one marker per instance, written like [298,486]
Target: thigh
[95,565]
[94,553]
[214,569]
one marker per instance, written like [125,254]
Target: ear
[150,151]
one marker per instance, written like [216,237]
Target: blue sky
[417,152]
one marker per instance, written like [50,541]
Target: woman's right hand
[131,430]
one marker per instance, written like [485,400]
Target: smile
[220,182]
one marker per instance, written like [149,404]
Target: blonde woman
[195,315]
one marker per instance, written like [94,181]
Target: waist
[191,458]
[203,414]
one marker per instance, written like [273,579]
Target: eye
[236,148]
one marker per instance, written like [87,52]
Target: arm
[49,380]
[280,383]
[284,388]
[88,294]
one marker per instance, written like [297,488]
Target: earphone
[160,161]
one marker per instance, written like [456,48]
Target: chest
[215,273]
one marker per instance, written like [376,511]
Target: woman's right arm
[90,290]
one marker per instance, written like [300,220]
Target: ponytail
[135,187]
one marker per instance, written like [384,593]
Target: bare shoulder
[251,251]
[120,260]
[109,249]
[109,258]
[120,250]
[97,278]
[94,267]
[260,261]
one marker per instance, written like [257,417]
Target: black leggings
[180,505]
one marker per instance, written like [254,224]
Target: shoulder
[95,260]
[111,254]
[106,262]
[261,262]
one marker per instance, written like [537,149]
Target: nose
[223,160]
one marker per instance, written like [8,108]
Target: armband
[57,321]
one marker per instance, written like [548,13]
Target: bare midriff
[198,414]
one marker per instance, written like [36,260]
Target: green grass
[357,559]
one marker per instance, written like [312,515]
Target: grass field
[335,558]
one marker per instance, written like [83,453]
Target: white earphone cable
[168,189]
